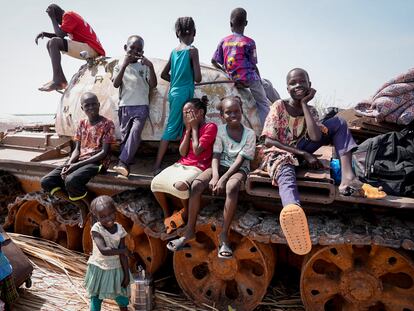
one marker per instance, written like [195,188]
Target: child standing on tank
[107,275]
[8,291]
[135,77]
[233,150]
[91,156]
[236,55]
[182,70]
[196,150]
[293,132]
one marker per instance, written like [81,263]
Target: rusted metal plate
[389,201]
[97,79]
[32,140]
[314,185]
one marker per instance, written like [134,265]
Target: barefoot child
[236,55]
[196,150]
[107,276]
[135,77]
[182,70]
[91,156]
[233,150]
[292,131]
[82,36]
[8,291]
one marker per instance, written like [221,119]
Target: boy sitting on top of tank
[292,132]
[83,39]
[91,156]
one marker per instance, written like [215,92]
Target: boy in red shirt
[82,36]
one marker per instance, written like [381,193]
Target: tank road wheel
[33,218]
[146,250]
[10,188]
[349,277]
[241,281]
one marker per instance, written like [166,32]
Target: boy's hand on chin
[309,96]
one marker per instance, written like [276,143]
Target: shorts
[8,290]
[164,181]
[74,48]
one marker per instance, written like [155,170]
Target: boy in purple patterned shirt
[236,55]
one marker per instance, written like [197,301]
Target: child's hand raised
[145,61]
[309,96]
[129,58]
[190,119]
[39,36]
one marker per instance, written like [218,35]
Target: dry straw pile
[58,284]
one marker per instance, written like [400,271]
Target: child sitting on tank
[91,156]
[292,133]
[233,150]
[196,150]
[135,77]
[8,291]
[83,39]
[236,55]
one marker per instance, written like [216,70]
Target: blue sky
[349,47]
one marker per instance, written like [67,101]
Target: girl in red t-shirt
[196,150]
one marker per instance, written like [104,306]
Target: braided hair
[233,98]
[200,103]
[184,26]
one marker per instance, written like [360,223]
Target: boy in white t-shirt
[135,76]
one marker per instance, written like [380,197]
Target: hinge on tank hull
[55,153]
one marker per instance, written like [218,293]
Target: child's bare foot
[53,86]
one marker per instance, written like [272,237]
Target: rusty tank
[363,250]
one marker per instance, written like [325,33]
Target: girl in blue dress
[182,70]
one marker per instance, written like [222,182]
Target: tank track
[351,227]
[345,228]
[9,188]
[140,206]
[64,212]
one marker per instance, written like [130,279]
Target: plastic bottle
[336,170]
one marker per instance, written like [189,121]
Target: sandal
[178,245]
[174,222]
[225,252]
[122,169]
[295,228]
[363,190]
